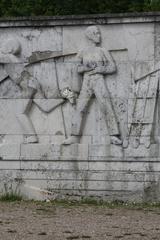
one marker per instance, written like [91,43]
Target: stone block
[10,151]
[40,152]
[105,151]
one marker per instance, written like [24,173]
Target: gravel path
[46,221]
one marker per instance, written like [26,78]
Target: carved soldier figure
[94,64]
[142,102]
[19,84]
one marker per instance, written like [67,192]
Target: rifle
[46,55]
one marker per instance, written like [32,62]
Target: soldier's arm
[107,66]
[3,75]
[110,63]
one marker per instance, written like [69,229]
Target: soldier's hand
[85,68]
[101,70]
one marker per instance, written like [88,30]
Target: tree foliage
[64,7]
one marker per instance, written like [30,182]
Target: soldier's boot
[116,140]
[71,140]
[31,139]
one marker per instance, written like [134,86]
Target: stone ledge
[81,152]
[70,20]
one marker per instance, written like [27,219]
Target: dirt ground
[48,221]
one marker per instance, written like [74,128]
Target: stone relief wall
[80,109]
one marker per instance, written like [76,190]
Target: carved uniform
[94,84]
[19,84]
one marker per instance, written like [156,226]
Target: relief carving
[22,82]
[142,105]
[18,82]
[94,64]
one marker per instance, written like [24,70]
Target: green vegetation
[91,202]
[107,204]
[10,197]
[44,206]
[65,7]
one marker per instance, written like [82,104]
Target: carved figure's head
[93,34]
[11,46]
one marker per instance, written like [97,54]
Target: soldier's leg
[30,135]
[106,106]
[78,114]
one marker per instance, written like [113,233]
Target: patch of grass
[44,206]
[120,204]
[107,204]
[89,202]
[11,197]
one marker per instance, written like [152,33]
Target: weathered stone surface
[79,106]
[10,151]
